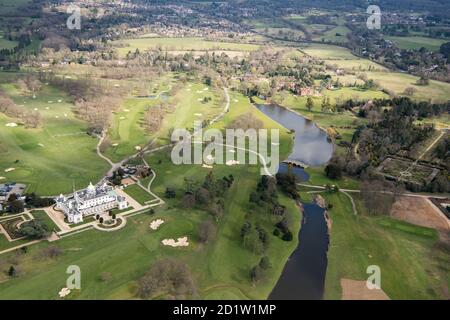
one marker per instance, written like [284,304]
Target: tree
[167,276]
[35,229]
[264,263]
[409,91]
[16,206]
[333,171]
[203,196]
[378,196]
[206,231]
[445,50]
[170,193]
[256,274]
[309,103]
[12,271]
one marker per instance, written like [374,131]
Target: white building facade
[90,201]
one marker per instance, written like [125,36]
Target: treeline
[30,119]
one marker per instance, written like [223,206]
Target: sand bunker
[11,124]
[154,225]
[232,163]
[64,292]
[10,169]
[181,242]
[357,290]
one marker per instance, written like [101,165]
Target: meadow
[127,131]
[54,157]
[413,266]
[179,44]
[415,42]
[394,81]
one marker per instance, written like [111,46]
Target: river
[303,277]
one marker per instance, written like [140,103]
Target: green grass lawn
[398,82]
[56,155]
[409,43]
[127,131]
[42,215]
[9,6]
[179,44]
[138,194]
[337,34]
[412,266]
[7,44]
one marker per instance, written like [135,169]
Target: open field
[42,215]
[7,44]
[52,158]
[408,43]
[127,131]
[413,267]
[179,44]
[9,6]
[337,34]
[398,82]
[138,194]
[394,81]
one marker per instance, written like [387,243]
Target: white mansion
[90,201]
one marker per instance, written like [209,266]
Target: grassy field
[42,215]
[337,34]
[394,81]
[326,52]
[398,82]
[127,132]
[7,44]
[138,194]
[179,44]
[409,43]
[9,6]
[51,158]
[412,266]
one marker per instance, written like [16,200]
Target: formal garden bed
[110,224]
[11,227]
